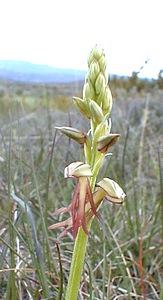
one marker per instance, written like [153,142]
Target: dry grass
[125,252]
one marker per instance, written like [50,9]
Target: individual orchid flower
[85,204]
[81,196]
[110,190]
[73,133]
[106,141]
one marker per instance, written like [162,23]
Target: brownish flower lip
[82,209]
[81,197]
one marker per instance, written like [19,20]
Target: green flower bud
[93,72]
[106,141]
[96,112]
[102,64]
[74,134]
[100,83]
[82,106]
[88,91]
[95,54]
[90,58]
[107,101]
[100,97]
[98,52]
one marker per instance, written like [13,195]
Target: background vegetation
[125,252]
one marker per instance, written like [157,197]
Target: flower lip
[82,209]
[77,169]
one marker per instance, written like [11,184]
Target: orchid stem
[77,264]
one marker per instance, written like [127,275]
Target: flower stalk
[88,195]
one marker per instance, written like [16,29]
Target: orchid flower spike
[96,106]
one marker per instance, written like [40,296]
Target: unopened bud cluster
[96,87]
[96,84]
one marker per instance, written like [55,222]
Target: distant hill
[28,72]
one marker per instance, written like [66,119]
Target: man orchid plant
[88,195]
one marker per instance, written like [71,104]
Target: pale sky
[61,33]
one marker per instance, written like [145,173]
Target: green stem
[77,265]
